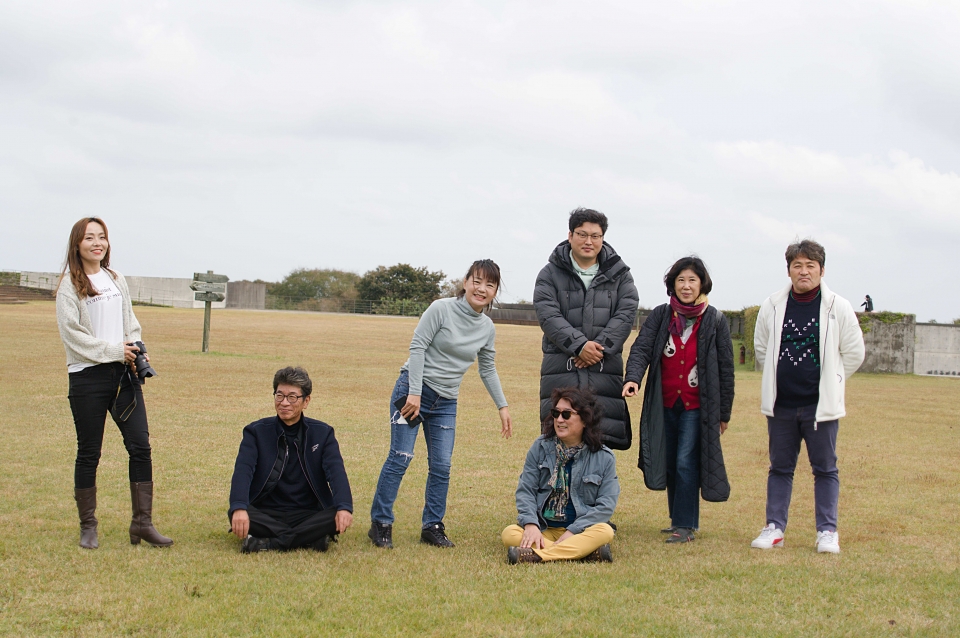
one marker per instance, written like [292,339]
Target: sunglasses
[555,413]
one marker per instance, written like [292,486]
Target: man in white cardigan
[808,342]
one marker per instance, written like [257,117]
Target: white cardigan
[841,350]
[76,328]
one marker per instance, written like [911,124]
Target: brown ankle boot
[87,506]
[141,525]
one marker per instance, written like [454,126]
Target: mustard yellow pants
[577,546]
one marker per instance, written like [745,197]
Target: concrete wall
[246,294]
[937,350]
[889,346]
[163,291]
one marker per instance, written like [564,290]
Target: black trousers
[95,391]
[291,529]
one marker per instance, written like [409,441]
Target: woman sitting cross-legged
[568,488]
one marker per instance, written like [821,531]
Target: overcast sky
[252,138]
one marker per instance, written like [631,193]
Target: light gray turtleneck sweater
[449,338]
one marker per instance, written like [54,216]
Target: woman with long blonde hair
[99,332]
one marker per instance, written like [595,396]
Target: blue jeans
[787,427]
[682,430]
[439,430]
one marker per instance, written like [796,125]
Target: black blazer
[320,456]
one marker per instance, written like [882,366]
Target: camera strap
[128,410]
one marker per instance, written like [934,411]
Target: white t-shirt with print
[106,313]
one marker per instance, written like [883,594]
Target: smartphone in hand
[402,401]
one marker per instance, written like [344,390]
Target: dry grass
[899,507]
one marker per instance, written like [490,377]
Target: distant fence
[524,314]
[395,307]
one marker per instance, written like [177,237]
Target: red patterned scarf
[682,312]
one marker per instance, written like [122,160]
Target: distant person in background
[568,488]
[685,350]
[98,328]
[451,335]
[867,304]
[586,304]
[808,342]
[289,487]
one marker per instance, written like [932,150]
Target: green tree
[306,283]
[400,282]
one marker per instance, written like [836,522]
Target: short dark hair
[587,407]
[693,263]
[806,248]
[581,216]
[484,269]
[293,376]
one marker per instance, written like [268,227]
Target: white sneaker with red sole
[770,538]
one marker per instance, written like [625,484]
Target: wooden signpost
[208,288]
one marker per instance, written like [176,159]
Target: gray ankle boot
[87,506]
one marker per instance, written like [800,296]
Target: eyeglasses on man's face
[280,397]
[585,236]
[555,413]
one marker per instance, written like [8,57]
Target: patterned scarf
[556,505]
[682,312]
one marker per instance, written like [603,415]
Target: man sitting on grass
[289,487]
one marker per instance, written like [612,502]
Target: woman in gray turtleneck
[451,335]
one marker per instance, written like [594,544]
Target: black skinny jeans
[93,393]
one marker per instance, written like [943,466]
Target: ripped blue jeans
[439,431]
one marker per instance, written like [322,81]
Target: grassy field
[899,509]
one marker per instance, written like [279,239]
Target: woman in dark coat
[688,397]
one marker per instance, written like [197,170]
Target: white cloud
[444,132]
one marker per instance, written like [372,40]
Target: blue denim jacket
[593,485]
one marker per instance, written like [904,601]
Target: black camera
[144,369]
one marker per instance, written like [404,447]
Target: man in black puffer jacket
[586,303]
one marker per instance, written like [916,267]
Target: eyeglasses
[585,236]
[555,413]
[280,397]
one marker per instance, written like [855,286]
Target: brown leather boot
[141,525]
[87,506]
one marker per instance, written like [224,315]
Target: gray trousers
[786,428]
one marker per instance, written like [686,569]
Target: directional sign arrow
[210,277]
[202,286]
[209,296]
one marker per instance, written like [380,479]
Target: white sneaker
[828,542]
[769,538]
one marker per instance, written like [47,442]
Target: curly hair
[693,263]
[587,407]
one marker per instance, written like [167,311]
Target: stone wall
[937,350]
[889,344]
[246,295]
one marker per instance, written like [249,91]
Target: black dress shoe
[435,535]
[381,534]
[323,544]
[252,545]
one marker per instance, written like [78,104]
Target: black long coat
[570,315]
[716,378]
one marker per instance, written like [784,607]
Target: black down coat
[715,373]
[570,315]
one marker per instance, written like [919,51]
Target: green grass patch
[899,512]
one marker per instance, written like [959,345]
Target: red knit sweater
[678,365]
